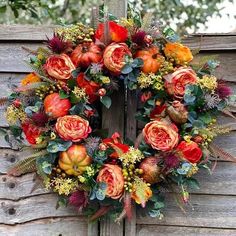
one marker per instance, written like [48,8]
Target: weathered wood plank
[222,181]
[12,56]
[154,230]
[38,33]
[210,43]
[208,211]
[28,209]
[25,32]
[15,188]
[10,157]
[66,226]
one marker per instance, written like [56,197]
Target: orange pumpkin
[152,60]
[75,160]
[56,107]
[85,54]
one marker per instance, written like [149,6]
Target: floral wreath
[56,109]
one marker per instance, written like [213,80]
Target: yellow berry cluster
[78,33]
[129,174]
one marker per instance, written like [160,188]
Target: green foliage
[177,13]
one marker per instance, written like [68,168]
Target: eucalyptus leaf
[58,146]
[106,101]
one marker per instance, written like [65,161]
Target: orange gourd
[152,60]
[75,160]
[85,54]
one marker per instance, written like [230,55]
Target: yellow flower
[193,170]
[63,186]
[187,138]
[80,94]
[144,80]
[105,79]
[131,157]
[127,22]
[209,82]
[53,136]
[30,78]
[14,114]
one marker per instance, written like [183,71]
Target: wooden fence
[23,213]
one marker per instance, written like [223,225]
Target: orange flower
[113,177]
[161,135]
[176,82]
[59,67]
[72,128]
[117,32]
[180,53]
[114,56]
[189,151]
[141,192]
[30,78]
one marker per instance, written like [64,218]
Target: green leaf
[62,201]
[159,205]
[193,183]
[126,69]
[3,9]
[106,101]
[63,95]
[46,167]
[58,146]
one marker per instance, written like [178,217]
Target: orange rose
[72,128]
[161,135]
[189,151]
[30,78]
[180,53]
[114,56]
[59,67]
[176,82]
[113,177]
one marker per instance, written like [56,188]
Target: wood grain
[25,32]
[61,226]
[36,207]
[208,211]
[211,42]
[154,230]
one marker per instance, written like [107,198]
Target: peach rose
[59,67]
[72,128]
[176,82]
[113,177]
[180,53]
[161,135]
[114,56]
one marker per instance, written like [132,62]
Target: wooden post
[114,118]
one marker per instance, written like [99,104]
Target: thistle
[92,144]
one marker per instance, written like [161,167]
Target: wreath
[57,108]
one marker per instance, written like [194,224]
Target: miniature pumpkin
[152,60]
[56,107]
[75,160]
[85,54]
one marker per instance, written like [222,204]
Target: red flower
[31,132]
[117,32]
[158,111]
[115,143]
[91,88]
[146,96]
[189,151]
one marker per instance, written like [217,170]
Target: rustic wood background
[23,213]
